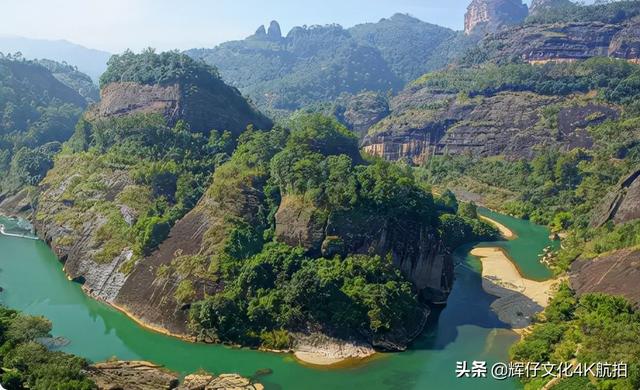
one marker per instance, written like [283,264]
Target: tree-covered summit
[149,67]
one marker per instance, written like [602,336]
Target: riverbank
[3,232]
[504,231]
[519,299]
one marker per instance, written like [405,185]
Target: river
[465,330]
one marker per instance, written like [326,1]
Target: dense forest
[318,63]
[28,364]
[37,114]
[271,288]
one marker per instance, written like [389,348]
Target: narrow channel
[465,330]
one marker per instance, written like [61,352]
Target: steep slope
[510,110]
[291,216]
[74,79]
[180,90]
[126,176]
[319,63]
[487,16]
[37,114]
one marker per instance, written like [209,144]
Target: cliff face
[616,273]
[150,295]
[210,106]
[425,123]
[486,16]
[414,248]
[621,205]
[538,43]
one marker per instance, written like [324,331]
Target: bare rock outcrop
[139,375]
[132,375]
[621,205]
[425,123]
[485,16]
[415,250]
[565,42]
[615,273]
[211,106]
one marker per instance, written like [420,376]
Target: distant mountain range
[90,61]
[313,64]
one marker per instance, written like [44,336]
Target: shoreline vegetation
[500,277]
[504,231]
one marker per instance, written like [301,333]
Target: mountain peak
[274,30]
[487,16]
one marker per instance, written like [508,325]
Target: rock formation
[567,42]
[615,273]
[414,249]
[486,16]
[274,31]
[209,106]
[134,375]
[621,205]
[131,376]
[425,123]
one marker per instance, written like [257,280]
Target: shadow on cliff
[468,305]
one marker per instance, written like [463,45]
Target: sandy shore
[505,231]
[316,359]
[519,299]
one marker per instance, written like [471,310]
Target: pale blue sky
[115,25]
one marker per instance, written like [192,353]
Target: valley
[376,205]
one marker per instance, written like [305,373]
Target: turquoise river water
[465,330]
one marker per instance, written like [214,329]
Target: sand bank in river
[505,231]
[519,299]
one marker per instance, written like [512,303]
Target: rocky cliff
[426,122]
[622,204]
[205,107]
[615,273]
[566,42]
[415,249]
[485,16]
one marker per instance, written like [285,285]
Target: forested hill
[318,63]
[37,113]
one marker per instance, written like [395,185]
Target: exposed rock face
[616,273]
[74,240]
[206,107]
[414,249]
[621,205]
[201,232]
[425,123]
[567,42]
[19,204]
[485,16]
[131,376]
[274,31]
[222,382]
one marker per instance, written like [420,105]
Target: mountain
[37,114]
[90,61]
[487,16]
[74,79]
[319,63]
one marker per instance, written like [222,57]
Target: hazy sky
[115,25]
